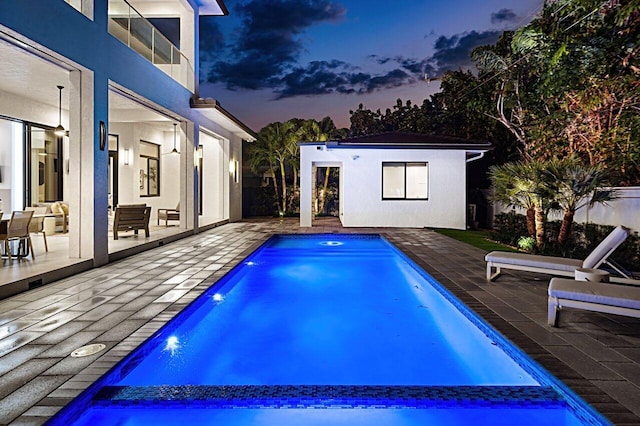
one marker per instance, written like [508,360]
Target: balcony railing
[83,6]
[130,27]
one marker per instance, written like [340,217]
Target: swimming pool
[327,329]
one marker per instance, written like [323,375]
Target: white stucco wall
[361,203]
[624,210]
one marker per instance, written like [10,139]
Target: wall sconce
[126,157]
[59,131]
[233,170]
[355,157]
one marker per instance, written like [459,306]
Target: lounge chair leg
[490,274]
[553,314]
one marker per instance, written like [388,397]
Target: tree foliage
[276,152]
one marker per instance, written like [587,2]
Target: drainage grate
[88,350]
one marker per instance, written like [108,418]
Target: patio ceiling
[29,76]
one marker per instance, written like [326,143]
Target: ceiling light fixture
[174,151]
[59,131]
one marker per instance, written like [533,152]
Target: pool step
[329,396]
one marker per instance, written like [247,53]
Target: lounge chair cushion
[593,292]
[534,261]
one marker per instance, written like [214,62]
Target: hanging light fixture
[59,131]
[174,150]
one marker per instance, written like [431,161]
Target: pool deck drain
[123,303]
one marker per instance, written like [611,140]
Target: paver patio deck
[123,303]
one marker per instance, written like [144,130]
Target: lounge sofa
[60,209]
[592,296]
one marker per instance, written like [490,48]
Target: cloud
[211,38]
[264,52]
[268,41]
[324,77]
[454,52]
[503,15]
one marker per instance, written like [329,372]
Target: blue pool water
[327,329]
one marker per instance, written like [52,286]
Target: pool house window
[405,181]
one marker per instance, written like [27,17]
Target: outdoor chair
[499,260]
[169,214]
[18,231]
[36,226]
[131,217]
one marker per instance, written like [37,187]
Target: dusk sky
[272,60]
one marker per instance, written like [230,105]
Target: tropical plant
[525,185]
[273,150]
[574,186]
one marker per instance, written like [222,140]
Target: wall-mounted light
[126,156]
[355,157]
[59,131]
[233,170]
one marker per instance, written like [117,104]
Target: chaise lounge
[592,296]
[499,260]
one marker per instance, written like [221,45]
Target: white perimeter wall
[361,201]
[624,210]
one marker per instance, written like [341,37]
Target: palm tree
[524,185]
[511,187]
[261,156]
[274,140]
[576,185]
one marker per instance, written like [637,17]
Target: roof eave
[212,8]
[205,104]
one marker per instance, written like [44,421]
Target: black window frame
[404,164]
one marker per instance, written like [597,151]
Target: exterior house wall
[361,203]
[235,188]
[94,62]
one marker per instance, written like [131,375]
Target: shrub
[509,227]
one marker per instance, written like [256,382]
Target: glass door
[44,165]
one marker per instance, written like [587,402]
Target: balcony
[130,27]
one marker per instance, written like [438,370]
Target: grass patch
[479,239]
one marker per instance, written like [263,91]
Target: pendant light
[59,131]
[174,150]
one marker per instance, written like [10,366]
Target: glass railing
[130,27]
[83,6]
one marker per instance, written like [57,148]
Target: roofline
[209,103]
[206,11]
[484,146]
[223,6]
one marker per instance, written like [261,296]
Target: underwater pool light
[331,243]
[218,297]
[173,344]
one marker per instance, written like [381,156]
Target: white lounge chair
[559,265]
[592,296]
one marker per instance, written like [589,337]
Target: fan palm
[576,185]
